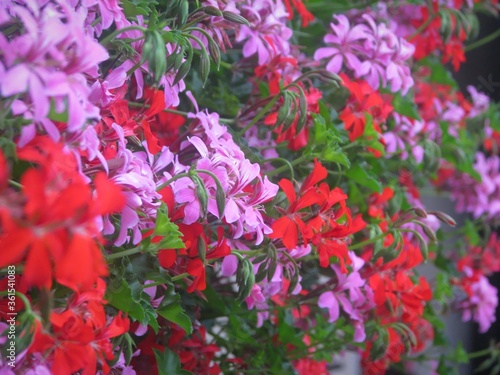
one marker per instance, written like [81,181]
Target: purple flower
[478,197]
[370,51]
[482,304]
[352,294]
[48,66]
[405,134]
[345,43]
[212,148]
[480,101]
[268,34]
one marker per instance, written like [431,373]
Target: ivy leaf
[175,313]
[119,295]
[460,354]
[371,136]
[171,309]
[168,230]
[362,177]
[438,73]
[169,363]
[405,106]
[471,233]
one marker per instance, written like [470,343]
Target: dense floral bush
[235,186]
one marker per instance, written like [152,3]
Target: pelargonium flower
[56,231]
[478,197]
[482,302]
[135,176]
[48,66]
[244,188]
[352,293]
[268,34]
[346,42]
[480,102]
[370,51]
[404,134]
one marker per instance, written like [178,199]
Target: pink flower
[370,51]
[345,43]
[352,294]
[482,303]
[268,34]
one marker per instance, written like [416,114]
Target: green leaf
[471,233]
[119,295]
[175,313]
[405,106]
[169,363]
[132,10]
[371,136]
[460,355]
[170,308]
[358,174]
[336,155]
[439,74]
[168,230]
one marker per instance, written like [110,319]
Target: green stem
[246,252]
[359,245]
[124,253]
[158,283]
[15,184]
[299,160]
[194,21]
[286,162]
[96,21]
[134,68]
[480,353]
[226,65]
[175,178]
[180,277]
[115,33]
[23,298]
[261,114]
[483,41]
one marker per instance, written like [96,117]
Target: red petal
[110,197]
[152,140]
[38,270]
[167,258]
[319,173]
[288,189]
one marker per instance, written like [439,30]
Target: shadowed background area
[482,70]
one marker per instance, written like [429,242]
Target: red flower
[299,6]
[327,227]
[56,230]
[363,100]
[78,341]
[307,366]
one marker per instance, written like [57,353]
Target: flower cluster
[370,51]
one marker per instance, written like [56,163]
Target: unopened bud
[330,77]
[444,218]
[420,212]
[212,11]
[236,18]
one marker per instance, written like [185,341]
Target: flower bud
[236,18]
[444,218]
[212,11]
[420,212]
